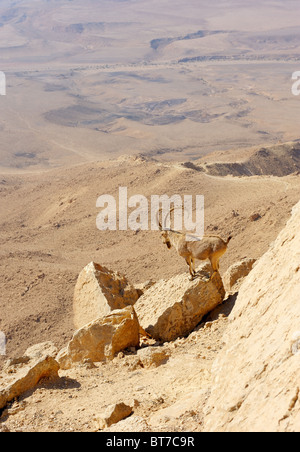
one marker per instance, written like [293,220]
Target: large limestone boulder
[173,308]
[257,375]
[98,292]
[22,374]
[236,274]
[102,339]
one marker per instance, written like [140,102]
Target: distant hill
[281,160]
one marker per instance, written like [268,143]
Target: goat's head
[166,239]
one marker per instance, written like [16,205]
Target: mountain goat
[193,248]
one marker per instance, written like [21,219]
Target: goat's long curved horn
[168,214]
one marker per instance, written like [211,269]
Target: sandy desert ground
[48,233]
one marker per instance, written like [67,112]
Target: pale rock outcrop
[257,375]
[173,308]
[236,274]
[22,374]
[100,291]
[143,287]
[102,339]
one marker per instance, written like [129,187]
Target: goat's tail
[229,239]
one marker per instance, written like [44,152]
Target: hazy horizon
[177,80]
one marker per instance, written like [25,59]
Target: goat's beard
[169,245]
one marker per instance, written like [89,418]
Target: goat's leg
[194,266]
[189,262]
[214,260]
